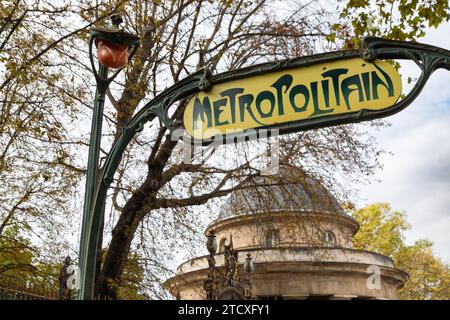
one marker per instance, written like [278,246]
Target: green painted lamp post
[112,44]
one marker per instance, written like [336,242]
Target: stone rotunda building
[300,241]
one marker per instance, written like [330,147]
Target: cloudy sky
[416,176]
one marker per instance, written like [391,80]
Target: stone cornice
[280,216]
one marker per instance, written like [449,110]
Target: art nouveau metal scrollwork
[225,284]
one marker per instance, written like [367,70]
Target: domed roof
[291,190]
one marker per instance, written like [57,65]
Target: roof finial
[116,19]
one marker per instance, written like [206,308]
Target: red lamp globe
[112,55]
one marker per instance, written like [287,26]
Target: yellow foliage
[382,230]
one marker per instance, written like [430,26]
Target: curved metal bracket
[158,107]
[428,58]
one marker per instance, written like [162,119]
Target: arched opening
[329,239]
[223,242]
[272,238]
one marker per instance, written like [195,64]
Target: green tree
[391,19]
[382,230]
[22,267]
[16,256]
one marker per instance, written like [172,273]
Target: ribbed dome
[291,190]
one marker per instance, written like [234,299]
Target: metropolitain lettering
[315,98]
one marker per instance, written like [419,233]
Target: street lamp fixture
[211,243]
[249,266]
[113,44]
[115,48]
[249,263]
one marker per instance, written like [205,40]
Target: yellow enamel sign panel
[267,100]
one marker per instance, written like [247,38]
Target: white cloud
[416,178]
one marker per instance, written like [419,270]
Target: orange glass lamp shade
[112,55]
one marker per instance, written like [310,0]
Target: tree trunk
[119,247]
[133,212]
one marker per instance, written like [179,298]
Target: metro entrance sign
[285,99]
[290,95]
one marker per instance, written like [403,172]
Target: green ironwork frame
[428,58]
